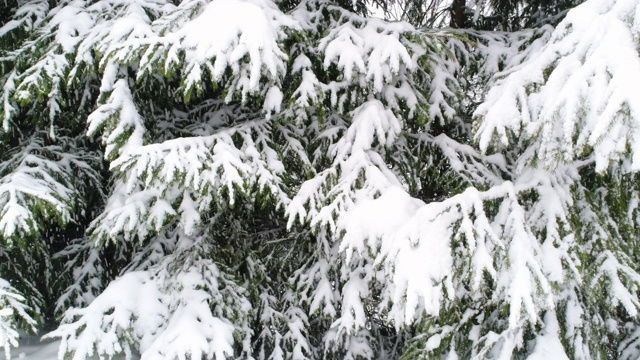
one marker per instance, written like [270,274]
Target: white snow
[576,92]
[548,344]
[340,158]
[31,348]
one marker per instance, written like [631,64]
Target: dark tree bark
[457,14]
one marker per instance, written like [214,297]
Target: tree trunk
[457,14]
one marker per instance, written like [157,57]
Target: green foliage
[296,180]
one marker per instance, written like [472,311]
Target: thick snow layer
[548,344]
[578,93]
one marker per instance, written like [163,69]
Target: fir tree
[290,180]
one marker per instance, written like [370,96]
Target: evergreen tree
[290,180]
